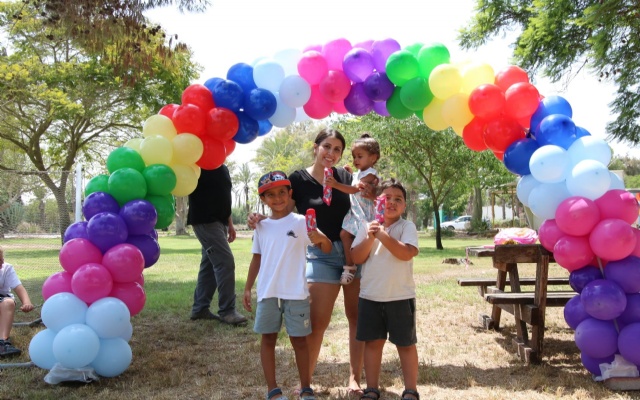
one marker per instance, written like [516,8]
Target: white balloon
[295,91]
[268,74]
[616,181]
[524,188]
[75,346]
[109,317]
[550,164]
[589,178]
[546,197]
[589,148]
[63,309]
[284,115]
[288,58]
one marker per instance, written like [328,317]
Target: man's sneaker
[233,318]
[7,349]
[204,314]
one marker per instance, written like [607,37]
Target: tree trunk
[182,208]
[477,204]
[412,207]
[436,218]
[60,194]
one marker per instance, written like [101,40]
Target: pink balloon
[312,67]
[131,294]
[573,252]
[339,107]
[619,204]
[317,107]
[334,52]
[125,262]
[613,239]
[577,216]
[56,283]
[549,234]
[77,252]
[313,47]
[636,249]
[91,282]
[335,86]
[140,280]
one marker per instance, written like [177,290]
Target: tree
[561,37]
[59,103]
[243,178]
[288,149]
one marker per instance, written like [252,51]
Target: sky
[233,31]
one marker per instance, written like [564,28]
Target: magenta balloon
[132,294]
[317,107]
[335,86]
[139,215]
[76,230]
[625,272]
[334,52]
[636,249]
[619,204]
[357,102]
[574,312]
[573,252]
[631,313]
[612,239]
[124,261]
[593,364]
[381,50]
[312,67]
[148,246]
[603,299]
[597,338]
[577,216]
[358,64]
[380,107]
[549,234]
[106,230]
[91,282]
[579,278]
[77,252]
[629,344]
[98,202]
[56,283]
[313,47]
[378,87]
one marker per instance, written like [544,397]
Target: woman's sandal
[307,394]
[348,274]
[275,392]
[411,392]
[369,394]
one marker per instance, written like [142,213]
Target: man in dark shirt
[210,216]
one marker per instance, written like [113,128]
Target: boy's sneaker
[7,349]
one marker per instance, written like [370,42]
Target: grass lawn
[175,358]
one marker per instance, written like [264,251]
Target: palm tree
[243,177]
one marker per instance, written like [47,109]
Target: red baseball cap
[271,180]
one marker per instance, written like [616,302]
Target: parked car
[460,223]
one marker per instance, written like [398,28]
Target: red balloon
[131,294]
[522,100]
[213,155]
[573,252]
[229,146]
[549,234]
[511,75]
[317,107]
[500,132]
[168,110]
[486,101]
[190,118]
[473,135]
[222,123]
[499,155]
[198,95]
[335,86]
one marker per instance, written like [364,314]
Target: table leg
[496,311]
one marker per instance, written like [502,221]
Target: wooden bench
[484,283]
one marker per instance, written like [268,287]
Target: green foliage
[239,215]
[632,182]
[11,217]
[288,149]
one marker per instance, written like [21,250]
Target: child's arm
[332,182]
[320,240]
[360,252]
[24,298]
[403,251]
[254,267]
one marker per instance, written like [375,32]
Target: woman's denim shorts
[326,267]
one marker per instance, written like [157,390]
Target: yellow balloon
[445,81]
[197,170]
[187,148]
[476,74]
[455,111]
[186,180]
[458,129]
[159,125]
[156,150]
[432,115]
[134,144]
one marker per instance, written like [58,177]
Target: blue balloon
[248,129]
[212,82]
[264,127]
[242,74]
[113,358]
[76,230]
[557,129]
[228,94]
[75,346]
[63,309]
[548,106]
[580,132]
[98,202]
[378,87]
[517,156]
[260,104]
[109,317]
[41,349]
[579,278]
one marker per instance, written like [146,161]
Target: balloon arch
[564,180]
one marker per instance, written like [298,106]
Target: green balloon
[401,67]
[420,114]
[430,56]
[415,94]
[165,208]
[99,183]
[124,157]
[395,106]
[161,179]
[127,184]
[414,48]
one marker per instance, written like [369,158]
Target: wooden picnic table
[528,307]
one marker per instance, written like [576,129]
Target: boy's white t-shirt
[282,244]
[384,276]
[8,280]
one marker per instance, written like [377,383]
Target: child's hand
[26,307]
[314,237]
[347,167]
[373,228]
[330,181]
[246,300]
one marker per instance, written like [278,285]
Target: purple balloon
[140,216]
[148,246]
[629,344]
[357,64]
[107,229]
[378,87]
[574,312]
[603,299]
[593,364]
[380,107]
[579,278]
[153,233]
[98,202]
[597,338]
[626,273]
[381,50]
[357,102]
[76,230]
[631,313]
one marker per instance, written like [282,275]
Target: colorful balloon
[612,239]
[577,216]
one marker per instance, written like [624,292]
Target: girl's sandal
[348,274]
[371,393]
[307,394]
[276,392]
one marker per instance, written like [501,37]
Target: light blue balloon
[128,333]
[550,164]
[284,115]
[63,309]
[589,178]
[76,346]
[546,197]
[294,91]
[113,358]
[616,181]
[41,349]
[524,188]
[268,74]
[109,317]
[590,148]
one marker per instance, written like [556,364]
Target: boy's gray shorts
[270,313]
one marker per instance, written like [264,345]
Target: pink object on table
[381,202]
[518,235]
[327,192]
[310,218]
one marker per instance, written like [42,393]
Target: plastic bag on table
[516,236]
[59,374]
